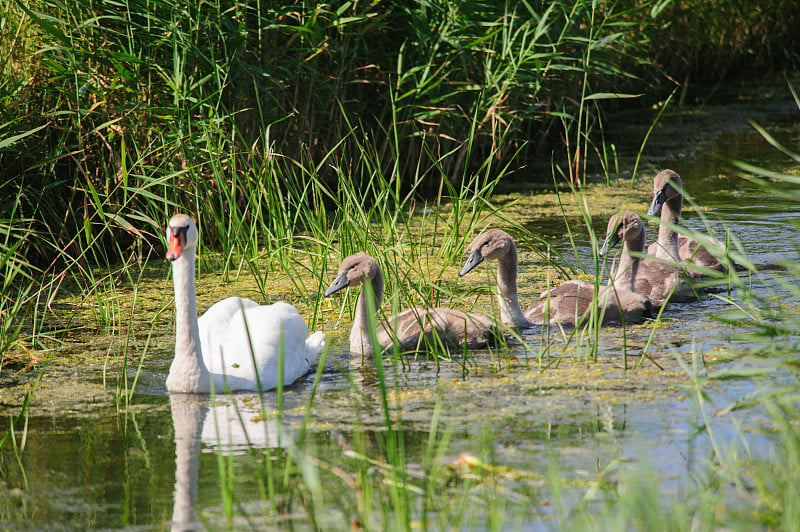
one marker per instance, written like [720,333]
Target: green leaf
[610,96]
[11,140]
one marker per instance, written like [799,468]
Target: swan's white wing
[220,314]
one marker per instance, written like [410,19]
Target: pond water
[89,463]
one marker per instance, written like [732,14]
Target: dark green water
[102,467]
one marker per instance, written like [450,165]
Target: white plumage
[237,342]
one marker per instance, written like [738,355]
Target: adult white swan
[237,343]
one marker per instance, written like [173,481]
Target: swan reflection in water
[227,424]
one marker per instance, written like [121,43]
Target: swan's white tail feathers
[315,343]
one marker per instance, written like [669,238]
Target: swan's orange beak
[177,240]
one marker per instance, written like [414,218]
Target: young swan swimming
[668,200]
[236,343]
[410,328]
[658,281]
[567,304]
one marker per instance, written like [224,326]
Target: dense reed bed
[259,118]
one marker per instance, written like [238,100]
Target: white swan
[668,200]
[411,328]
[237,342]
[567,304]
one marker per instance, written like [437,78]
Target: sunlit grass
[269,134]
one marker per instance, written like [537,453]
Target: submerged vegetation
[300,133]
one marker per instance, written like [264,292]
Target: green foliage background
[114,114]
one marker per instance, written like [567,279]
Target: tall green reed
[17,281]
[16,439]
[203,66]
[597,44]
[192,108]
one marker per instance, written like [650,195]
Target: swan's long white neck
[359,334]
[188,372]
[510,311]
[667,248]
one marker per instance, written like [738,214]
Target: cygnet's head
[354,271]
[626,226]
[491,244]
[181,235]
[666,185]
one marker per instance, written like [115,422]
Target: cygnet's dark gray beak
[473,260]
[339,283]
[612,239]
[659,197]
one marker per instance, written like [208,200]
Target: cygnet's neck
[625,276]
[667,248]
[510,311]
[359,334]
[188,372]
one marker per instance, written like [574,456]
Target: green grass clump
[261,120]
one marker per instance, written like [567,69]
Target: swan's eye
[179,232]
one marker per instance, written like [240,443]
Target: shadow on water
[163,462]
